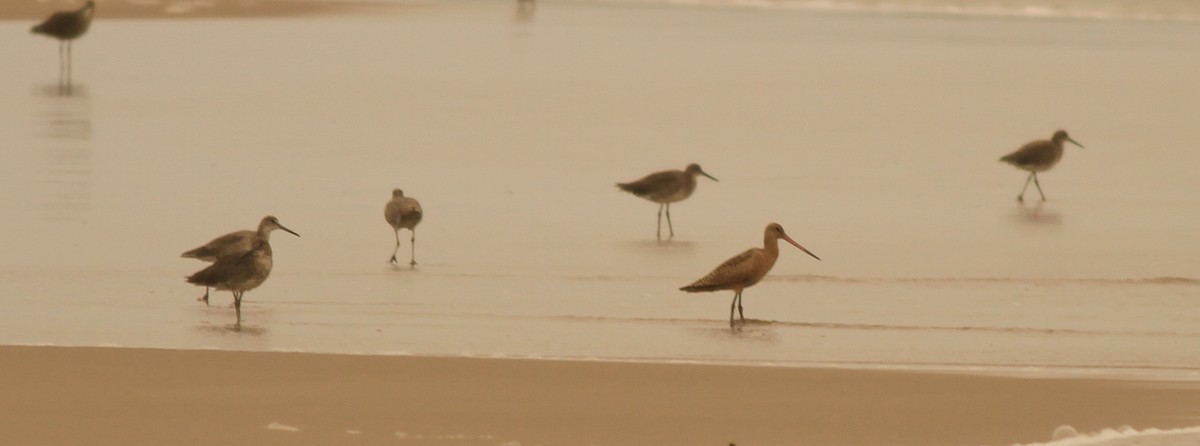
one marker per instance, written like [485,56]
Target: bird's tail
[697,288]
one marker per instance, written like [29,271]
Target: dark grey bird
[236,243]
[745,269]
[403,213]
[666,187]
[237,273]
[66,26]
[1039,156]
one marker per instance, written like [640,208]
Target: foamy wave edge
[955,10]
[1126,435]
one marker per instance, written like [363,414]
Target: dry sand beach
[544,311]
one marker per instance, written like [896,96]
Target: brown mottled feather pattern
[66,25]
[1043,153]
[237,273]
[233,243]
[662,186]
[740,271]
[403,212]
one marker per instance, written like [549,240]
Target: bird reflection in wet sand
[1038,214]
[745,270]
[525,10]
[66,26]
[1038,156]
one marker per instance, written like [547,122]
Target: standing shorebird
[1039,156]
[745,269]
[666,187]
[238,273]
[236,243]
[66,26]
[403,213]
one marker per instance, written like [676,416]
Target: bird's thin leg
[204,297]
[413,259]
[1026,186]
[237,306]
[732,305]
[740,313]
[394,251]
[669,226]
[659,233]
[1039,186]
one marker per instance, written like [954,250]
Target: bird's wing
[737,271]
[650,183]
[233,243]
[397,211]
[59,21]
[1036,152]
[226,270]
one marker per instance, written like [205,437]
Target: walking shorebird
[403,213]
[236,243]
[238,273]
[67,26]
[745,269]
[666,187]
[1039,156]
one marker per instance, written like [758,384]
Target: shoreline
[113,395]
[216,9]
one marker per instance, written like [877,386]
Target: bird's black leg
[740,313]
[1039,186]
[413,259]
[237,306]
[733,305]
[204,297]
[659,233]
[397,247]
[669,226]
[1026,186]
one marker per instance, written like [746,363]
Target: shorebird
[403,213]
[236,243]
[666,187]
[238,273]
[745,269]
[1039,156]
[67,26]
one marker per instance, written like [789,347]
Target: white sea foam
[1124,436]
[275,426]
[1160,10]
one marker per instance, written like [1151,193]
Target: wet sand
[114,396]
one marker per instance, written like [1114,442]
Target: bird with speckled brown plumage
[745,269]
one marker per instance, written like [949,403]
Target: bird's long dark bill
[1075,142]
[289,231]
[793,242]
[709,176]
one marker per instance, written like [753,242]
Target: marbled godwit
[745,269]
[67,26]
[403,213]
[1039,156]
[666,187]
[235,244]
[238,273]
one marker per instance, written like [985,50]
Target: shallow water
[872,139]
